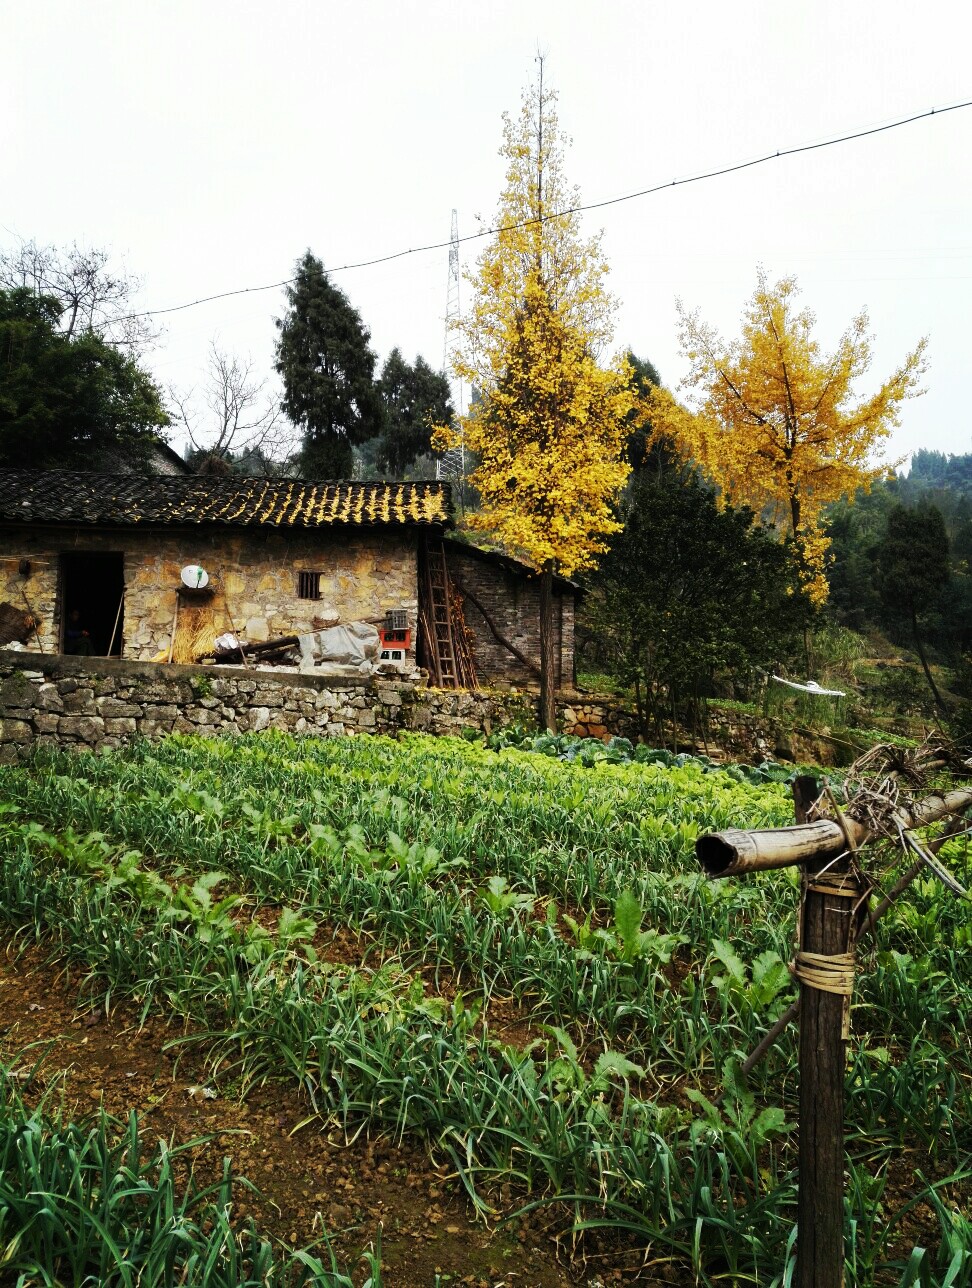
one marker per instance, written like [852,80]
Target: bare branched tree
[233,415]
[93,296]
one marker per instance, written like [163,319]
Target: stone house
[283,556]
[162,459]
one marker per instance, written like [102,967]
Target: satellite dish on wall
[194,577]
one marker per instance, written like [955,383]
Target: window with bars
[308,585]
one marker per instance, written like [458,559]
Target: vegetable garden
[504,966]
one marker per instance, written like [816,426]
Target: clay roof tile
[74,497]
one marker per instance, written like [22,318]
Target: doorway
[92,607]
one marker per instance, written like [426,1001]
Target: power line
[571,210]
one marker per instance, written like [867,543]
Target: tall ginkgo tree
[778,424]
[549,429]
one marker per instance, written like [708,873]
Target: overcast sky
[209,144]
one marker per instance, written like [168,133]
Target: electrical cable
[571,210]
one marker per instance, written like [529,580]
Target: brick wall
[512,603]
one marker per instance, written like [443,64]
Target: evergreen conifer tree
[327,366]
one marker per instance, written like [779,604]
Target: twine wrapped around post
[832,973]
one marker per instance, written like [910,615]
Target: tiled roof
[518,567]
[63,496]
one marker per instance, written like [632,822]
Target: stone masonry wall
[101,703]
[740,735]
[363,574]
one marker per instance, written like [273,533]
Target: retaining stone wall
[740,735]
[100,703]
[103,702]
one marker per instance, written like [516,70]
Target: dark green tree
[415,398]
[962,545]
[856,528]
[70,402]
[934,470]
[325,361]
[661,455]
[689,593]
[913,559]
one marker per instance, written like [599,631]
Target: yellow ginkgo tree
[777,423]
[549,427]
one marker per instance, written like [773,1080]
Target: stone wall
[364,573]
[739,735]
[512,601]
[588,717]
[746,736]
[103,702]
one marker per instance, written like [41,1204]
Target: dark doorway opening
[92,613]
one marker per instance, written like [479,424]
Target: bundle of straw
[196,629]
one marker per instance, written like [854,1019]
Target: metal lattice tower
[452,295]
[452,464]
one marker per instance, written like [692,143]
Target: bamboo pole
[734,852]
[175,623]
[114,629]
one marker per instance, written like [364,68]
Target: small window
[308,585]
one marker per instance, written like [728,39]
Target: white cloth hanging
[811,686]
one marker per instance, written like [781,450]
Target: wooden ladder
[438,618]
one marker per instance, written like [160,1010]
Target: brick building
[501,607]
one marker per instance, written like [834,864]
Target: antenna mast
[452,464]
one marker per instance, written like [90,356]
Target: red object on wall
[395,639]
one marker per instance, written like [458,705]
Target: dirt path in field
[307,1178]
[310,1180]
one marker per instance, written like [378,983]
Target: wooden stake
[114,629]
[825,930]
[175,623]
[222,583]
[871,918]
[548,658]
[33,618]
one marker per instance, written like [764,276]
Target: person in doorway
[76,638]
